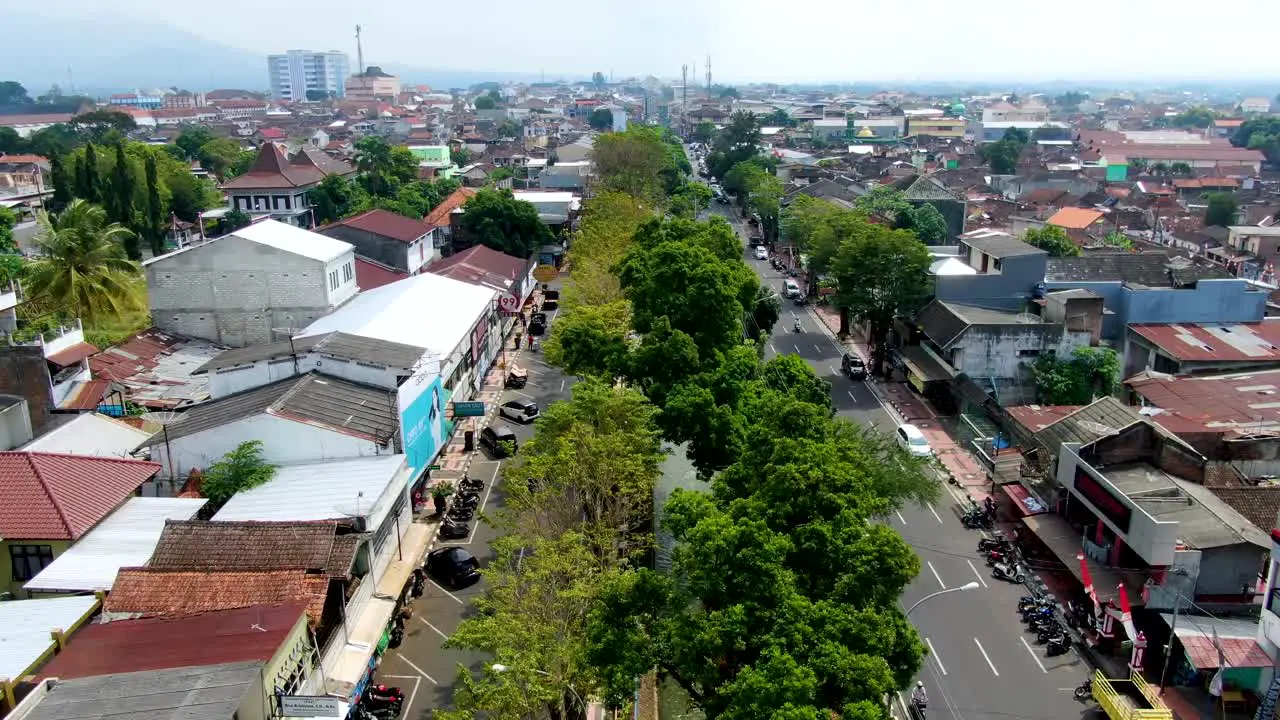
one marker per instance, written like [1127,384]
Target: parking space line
[446,592]
[417,681]
[797,347]
[900,518]
[434,629]
[834,371]
[817,348]
[416,668]
[974,568]
[561,385]
[525,395]
[933,653]
[936,576]
[772,349]
[852,396]
[936,516]
[990,664]
[1035,657]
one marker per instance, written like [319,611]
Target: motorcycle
[1037,613]
[1008,573]
[996,543]
[1047,631]
[1084,691]
[976,520]
[797,327]
[396,637]
[466,501]
[453,529]
[468,485]
[460,514]
[378,697]
[995,556]
[1058,644]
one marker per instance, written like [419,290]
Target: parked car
[913,441]
[550,294]
[853,366]
[500,440]
[454,566]
[550,304]
[762,252]
[519,411]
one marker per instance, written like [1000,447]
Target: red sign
[1109,505]
[508,303]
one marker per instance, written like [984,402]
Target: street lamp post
[971,585]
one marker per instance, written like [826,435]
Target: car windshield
[918,442]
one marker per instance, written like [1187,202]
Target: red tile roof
[271,169]
[180,593]
[49,496]
[1073,218]
[73,354]
[387,224]
[481,265]
[1240,342]
[42,119]
[439,217]
[21,159]
[247,634]
[370,274]
[272,133]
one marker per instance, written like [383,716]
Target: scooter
[1048,631]
[999,542]
[1037,612]
[995,556]
[797,327]
[1084,691]
[1008,573]
[1058,645]
[466,501]
[453,529]
[976,520]
[468,484]
[460,514]
[377,697]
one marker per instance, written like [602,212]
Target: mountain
[137,54]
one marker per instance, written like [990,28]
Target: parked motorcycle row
[1003,558]
[380,702]
[1040,613]
[462,510]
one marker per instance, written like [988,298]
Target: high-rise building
[296,72]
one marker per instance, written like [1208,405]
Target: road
[422,666]
[982,665]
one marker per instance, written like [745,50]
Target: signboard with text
[303,706]
[421,404]
[545,273]
[468,409]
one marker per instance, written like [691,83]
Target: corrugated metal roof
[125,538]
[93,435]
[360,487]
[26,628]
[207,692]
[1216,342]
[254,353]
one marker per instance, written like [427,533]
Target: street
[981,664]
[421,666]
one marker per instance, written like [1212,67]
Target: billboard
[421,400]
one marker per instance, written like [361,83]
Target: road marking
[1035,657]
[852,396]
[936,576]
[437,630]
[977,574]
[904,520]
[797,347]
[517,392]
[487,491]
[933,653]
[990,664]
[412,693]
[446,592]
[772,349]
[562,386]
[817,348]
[416,668]
[905,712]
[834,371]
[936,516]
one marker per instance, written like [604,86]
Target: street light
[971,585]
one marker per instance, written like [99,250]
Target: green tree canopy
[608,223]
[704,131]
[12,93]
[633,162]
[1196,117]
[927,223]
[886,201]
[82,268]
[1221,210]
[191,139]
[219,156]
[495,219]
[98,125]
[591,340]
[737,142]
[1053,240]
[484,102]
[1001,156]
[241,469]
[1088,374]
[600,119]
[690,199]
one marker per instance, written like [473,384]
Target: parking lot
[421,666]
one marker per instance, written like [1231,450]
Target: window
[1273,601]
[29,560]
[1028,353]
[333,280]
[346,273]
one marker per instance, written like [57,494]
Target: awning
[71,355]
[922,366]
[1023,500]
[1064,541]
[1236,637]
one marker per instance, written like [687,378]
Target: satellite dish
[161,417]
[1095,427]
[1179,263]
[288,332]
[1028,319]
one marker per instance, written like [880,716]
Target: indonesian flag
[1088,581]
[1126,613]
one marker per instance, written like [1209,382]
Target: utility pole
[684,95]
[359,53]
[708,76]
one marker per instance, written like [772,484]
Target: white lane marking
[773,349]
[817,348]
[446,592]
[977,574]
[905,712]
[435,629]
[562,386]
[990,664]
[900,518]
[416,668]
[797,347]
[1035,657]
[527,395]
[487,491]
[834,371]
[412,693]
[936,576]
[852,396]
[936,516]
[933,653]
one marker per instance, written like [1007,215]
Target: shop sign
[915,381]
[303,706]
[546,272]
[508,303]
[1111,507]
[468,409]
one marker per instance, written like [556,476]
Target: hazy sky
[776,40]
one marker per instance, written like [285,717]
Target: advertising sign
[508,303]
[545,272]
[302,706]
[468,409]
[421,404]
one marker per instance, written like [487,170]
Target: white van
[790,288]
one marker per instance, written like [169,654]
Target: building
[1008,112]
[395,241]
[49,370]
[48,502]
[434,160]
[276,186]
[993,269]
[32,631]
[1255,105]
[993,131]
[937,127]
[90,434]
[1259,246]
[248,287]
[565,176]
[372,85]
[299,75]
[1202,348]
[985,343]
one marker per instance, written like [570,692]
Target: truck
[1128,699]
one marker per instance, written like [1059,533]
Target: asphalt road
[982,665]
[422,666]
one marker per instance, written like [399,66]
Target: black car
[500,440]
[537,327]
[550,304]
[853,366]
[454,566]
[550,294]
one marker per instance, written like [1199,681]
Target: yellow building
[937,127]
[372,85]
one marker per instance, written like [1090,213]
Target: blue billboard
[422,420]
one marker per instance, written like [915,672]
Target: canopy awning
[1236,637]
[1064,542]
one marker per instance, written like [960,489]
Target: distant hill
[138,54]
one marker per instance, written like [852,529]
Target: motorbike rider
[796,324]
[918,697]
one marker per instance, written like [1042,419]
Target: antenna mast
[708,76]
[684,94]
[359,53]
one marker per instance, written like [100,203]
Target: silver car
[519,411]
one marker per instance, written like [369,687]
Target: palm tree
[82,269]
[373,158]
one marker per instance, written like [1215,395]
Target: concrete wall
[1000,351]
[387,251]
[1010,289]
[233,292]
[15,424]
[1227,300]
[228,381]
[1230,569]
[7,583]
[283,441]
[25,373]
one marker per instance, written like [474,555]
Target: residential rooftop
[1215,342]
[205,692]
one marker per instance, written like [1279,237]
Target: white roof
[771,130]
[26,628]
[359,487]
[829,122]
[288,238]
[535,196]
[427,311]
[1022,124]
[125,538]
[951,266]
[90,434]
[861,149]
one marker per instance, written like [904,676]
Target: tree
[704,131]
[241,469]
[318,95]
[98,125]
[333,199]
[886,201]
[1221,210]
[119,200]
[82,267]
[373,159]
[12,93]
[690,199]
[192,139]
[242,163]
[63,184]
[56,139]
[729,92]
[88,176]
[927,223]
[591,340]
[597,79]
[461,156]
[600,119]
[11,142]
[1053,240]
[1196,117]
[219,156]
[631,162]
[1088,374]
[1002,156]
[606,227]
[235,220]
[484,102]
[737,142]
[779,118]
[880,273]
[155,218]
[495,219]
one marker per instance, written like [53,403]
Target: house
[434,161]
[50,371]
[937,127]
[1202,348]
[994,131]
[565,176]
[392,240]
[1260,246]
[90,434]
[556,209]
[442,217]
[49,501]
[276,186]
[372,274]
[32,631]
[242,288]
[928,190]
[372,85]
[1074,218]
[1254,105]
[510,276]
[154,369]
[1039,431]
[991,268]
[576,151]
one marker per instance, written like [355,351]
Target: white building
[239,289]
[295,72]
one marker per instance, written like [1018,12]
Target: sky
[754,40]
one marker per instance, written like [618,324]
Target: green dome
[957,108]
